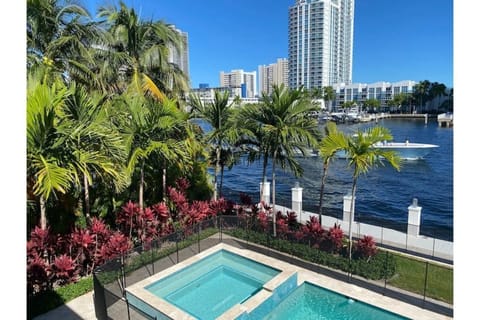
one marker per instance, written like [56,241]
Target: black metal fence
[416,281]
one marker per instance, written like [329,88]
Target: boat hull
[405,150]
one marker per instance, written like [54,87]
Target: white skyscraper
[247,81]
[274,73]
[180,57]
[320,42]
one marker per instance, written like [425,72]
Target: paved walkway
[77,309]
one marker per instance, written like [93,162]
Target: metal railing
[112,278]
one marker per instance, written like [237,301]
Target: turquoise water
[211,286]
[309,301]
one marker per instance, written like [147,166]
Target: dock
[445,120]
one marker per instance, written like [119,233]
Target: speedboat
[405,150]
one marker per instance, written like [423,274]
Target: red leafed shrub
[63,270]
[146,226]
[126,217]
[99,229]
[314,232]
[282,228]
[219,206]
[333,239]
[366,247]
[116,245]
[179,205]
[245,199]
[262,221]
[292,219]
[162,212]
[182,184]
[41,242]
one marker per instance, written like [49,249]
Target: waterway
[383,194]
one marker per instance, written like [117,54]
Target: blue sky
[393,40]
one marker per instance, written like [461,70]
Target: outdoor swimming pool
[309,301]
[209,287]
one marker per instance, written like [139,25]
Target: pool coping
[347,289]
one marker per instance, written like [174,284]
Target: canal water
[383,194]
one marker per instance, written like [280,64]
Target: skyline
[228,35]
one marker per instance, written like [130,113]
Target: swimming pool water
[309,301]
[211,286]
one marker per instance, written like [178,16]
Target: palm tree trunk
[217,169]
[140,191]
[221,180]
[264,175]
[43,213]
[273,195]
[87,197]
[354,189]
[322,188]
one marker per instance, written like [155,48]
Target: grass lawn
[410,275]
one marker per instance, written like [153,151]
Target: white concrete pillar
[414,215]
[297,200]
[266,192]
[347,201]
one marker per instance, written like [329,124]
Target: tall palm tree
[363,156]
[219,114]
[332,142]
[151,128]
[421,91]
[287,129]
[136,53]
[47,173]
[437,90]
[59,38]
[328,96]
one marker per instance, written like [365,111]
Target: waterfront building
[320,43]
[246,81]
[207,94]
[360,92]
[274,73]
[180,57]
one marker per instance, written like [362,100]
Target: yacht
[405,150]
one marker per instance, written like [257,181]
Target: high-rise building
[247,81]
[274,73]
[320,43]
[180,57]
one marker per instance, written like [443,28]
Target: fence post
[266,192]
[414,214]
[99,299]
[425,284]
[297,200]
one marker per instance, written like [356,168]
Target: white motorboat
[405,150]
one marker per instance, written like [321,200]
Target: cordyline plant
[365,248]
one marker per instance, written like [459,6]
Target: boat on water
[405,150]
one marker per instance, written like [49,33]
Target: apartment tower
[320,43]
[247,81]
[274,73]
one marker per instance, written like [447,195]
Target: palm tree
[328,96]
[219,114]
[95,145]
[47,173]
[151,129]
[287,129]
[59,38]
[437,90]
[136,53]
[363,156]
[421,91]
[332,142]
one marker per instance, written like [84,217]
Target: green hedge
[378,267]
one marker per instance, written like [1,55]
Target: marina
[383,193]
